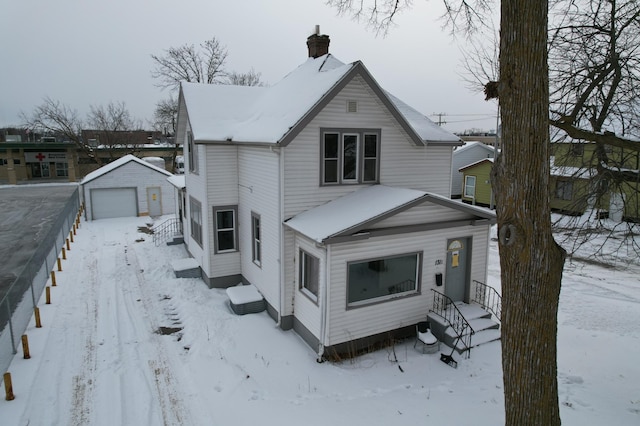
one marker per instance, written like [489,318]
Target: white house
[127,186]
[463,156]
[331,197]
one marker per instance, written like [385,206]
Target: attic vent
[352,106]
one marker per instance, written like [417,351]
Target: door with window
[456,283]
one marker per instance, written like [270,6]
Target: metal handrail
[166,230]
[445,308]
[488,298]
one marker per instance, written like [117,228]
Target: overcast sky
[87,52]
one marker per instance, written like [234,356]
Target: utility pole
[440,122]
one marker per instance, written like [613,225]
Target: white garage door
[113,202]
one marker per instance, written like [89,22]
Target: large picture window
[350,156]
[309,275]
[195,209]
[225,228]
[383,278]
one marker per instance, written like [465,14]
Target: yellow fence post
[59,265]
[25,347]
[8,387]
[36,313]
[64,253]
[53,278]
[47,291]
[74,229]
[68,247]
[71,235]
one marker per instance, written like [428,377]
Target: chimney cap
[318,44]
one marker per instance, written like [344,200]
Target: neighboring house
[464,155]
[575,179]
[331,197]
[476,183]
[125,187]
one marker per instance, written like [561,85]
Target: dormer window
[350,156]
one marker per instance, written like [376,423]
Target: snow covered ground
[100,360]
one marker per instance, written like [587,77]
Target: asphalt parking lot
[27,213]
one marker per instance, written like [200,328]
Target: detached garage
[127,187]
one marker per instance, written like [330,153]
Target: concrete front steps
[486,328]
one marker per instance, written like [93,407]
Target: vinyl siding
[482,173]
[258,193]
[423,213]
[402,163]
[306,310]
[195,184]
[463,158]
[353,323]
[133,174]
[221,173]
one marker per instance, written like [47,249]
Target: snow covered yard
[106,353]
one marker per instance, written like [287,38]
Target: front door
[154,201]
[457,275]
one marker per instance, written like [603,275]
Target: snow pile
[125,342]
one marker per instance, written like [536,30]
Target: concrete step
[478,325]
[480,338]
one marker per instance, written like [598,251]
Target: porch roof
[352,212]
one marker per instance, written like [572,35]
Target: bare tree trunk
[530,260]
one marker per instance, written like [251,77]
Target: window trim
[216,209]
[256,242]
[195,237]
[386,298]
[302,285]
[193,158]
[561,185]
[361,133]
[466,185]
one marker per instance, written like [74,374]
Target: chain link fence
[17,306]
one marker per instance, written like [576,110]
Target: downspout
[324,306]
[283,284]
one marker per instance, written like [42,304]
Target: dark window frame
[305,269]
[333,169]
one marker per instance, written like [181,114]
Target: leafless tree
[55,117]
[165,115]
[250,78]
[531,262]
[115,128]
[202,64]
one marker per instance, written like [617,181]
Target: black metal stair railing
[488,298]
[444,307]
[165,230]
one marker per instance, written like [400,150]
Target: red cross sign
[40,157]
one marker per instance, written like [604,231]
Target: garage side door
[113,202]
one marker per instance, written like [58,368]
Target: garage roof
[118,163]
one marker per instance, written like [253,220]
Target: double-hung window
[193,157]
[470,186]
[350,156]
[564,190]
[225,223]
[195,210]
[256,252]
[309,275]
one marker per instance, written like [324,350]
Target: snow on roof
[351,210]
[364,205]
[267,114]
[425,128]
[260,114]
[178,181]
[471,144]
[117,163]
[475,163]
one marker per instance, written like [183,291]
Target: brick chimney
[318,44]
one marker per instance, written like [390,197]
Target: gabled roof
[352,212]
[276,114]
[118,163]
[473,145]
[476,163]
